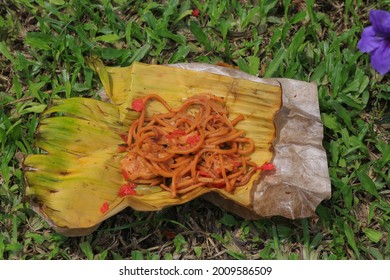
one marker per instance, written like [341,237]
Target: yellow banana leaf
[80,171]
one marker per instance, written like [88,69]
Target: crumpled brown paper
[301,179]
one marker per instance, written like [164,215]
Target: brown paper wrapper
[300,180]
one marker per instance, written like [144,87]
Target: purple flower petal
[381,22]
[380,58]
[369,41]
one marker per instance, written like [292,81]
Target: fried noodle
[195,145]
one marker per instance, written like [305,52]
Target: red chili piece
[104,208]
[195,12]
[176,133]
[193,140]
[266,166]
[127,189]
[138,105]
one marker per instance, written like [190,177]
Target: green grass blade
[275,63]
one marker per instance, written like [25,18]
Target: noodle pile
[188,147]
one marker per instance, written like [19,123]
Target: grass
[43,51]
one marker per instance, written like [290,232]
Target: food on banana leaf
[77,181]
[188,147]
